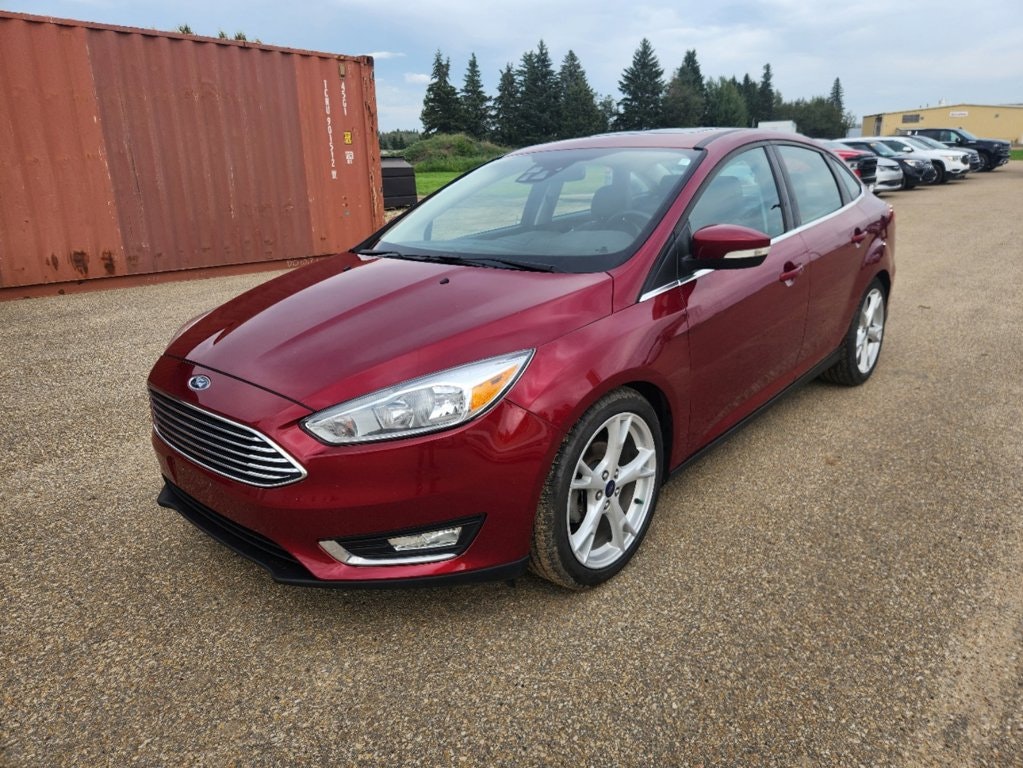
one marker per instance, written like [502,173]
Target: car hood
[342,328]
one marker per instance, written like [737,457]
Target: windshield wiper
[471,261]
[528,266]
[380,254]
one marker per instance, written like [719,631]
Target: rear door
[834,234]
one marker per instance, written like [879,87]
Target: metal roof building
[989,121]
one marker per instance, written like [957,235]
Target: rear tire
[861,347]
[600,494]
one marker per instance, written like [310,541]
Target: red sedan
[504,377]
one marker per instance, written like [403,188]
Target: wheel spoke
[582,540]
[621,530]
[617,434]
[863,359]
[586,478]
[638,467]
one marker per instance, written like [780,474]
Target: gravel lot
[841,584]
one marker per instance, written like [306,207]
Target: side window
[846,178]
[813,186]
[743,192]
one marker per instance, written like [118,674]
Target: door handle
[792,271]
[858,236]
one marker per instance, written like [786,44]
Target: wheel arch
[886,282]
[662,407]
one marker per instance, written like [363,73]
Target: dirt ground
[841,584]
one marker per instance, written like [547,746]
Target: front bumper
[286,568]
[491,469]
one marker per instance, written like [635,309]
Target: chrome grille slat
[169,423]
[220,445]
[209,454]
[191,422]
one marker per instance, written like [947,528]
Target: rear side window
[812,184]
[846,178]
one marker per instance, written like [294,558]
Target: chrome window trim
[674,284]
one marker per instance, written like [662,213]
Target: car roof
[668,138]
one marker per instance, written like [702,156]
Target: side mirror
[728,246]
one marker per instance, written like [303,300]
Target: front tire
[600,494]
[942,175]
[861,347]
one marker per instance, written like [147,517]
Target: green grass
[1017,154]
[428,182]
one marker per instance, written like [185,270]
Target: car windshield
[881,149]
[581,210]
[913,141]
[928,142]
[902,145]
[967,135]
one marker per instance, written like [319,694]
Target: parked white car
[949,163]
[889,175]
[972,155]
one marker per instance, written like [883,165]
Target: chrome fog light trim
[339,553]
[406,547]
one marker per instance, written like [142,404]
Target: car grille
[222,446]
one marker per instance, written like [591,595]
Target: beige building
[1000,121]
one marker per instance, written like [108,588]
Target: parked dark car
[993,152]
[504,376]
[863,164]
[973,155]
[915,170]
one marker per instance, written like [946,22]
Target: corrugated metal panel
[57,213]
[128,152]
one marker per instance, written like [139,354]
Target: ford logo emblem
[199,383]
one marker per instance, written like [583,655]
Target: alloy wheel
[612,491]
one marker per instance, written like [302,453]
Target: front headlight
[438,401]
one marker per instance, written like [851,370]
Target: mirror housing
[728,246]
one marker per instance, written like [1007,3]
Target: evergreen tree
[817,117]
[474,104]
[608,108]
[580,115]
[539,97]
[751,97]
[685,99]
[836,97]
[642,87]
[440,105]
[725,105]
[765,96]
[506,129]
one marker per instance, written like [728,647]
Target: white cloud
[415,78]
[386,55]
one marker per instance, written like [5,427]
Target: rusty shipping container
[131,152]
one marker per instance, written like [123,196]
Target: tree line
[535,102]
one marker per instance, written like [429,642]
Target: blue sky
[892,55]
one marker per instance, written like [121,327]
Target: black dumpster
[399,182]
